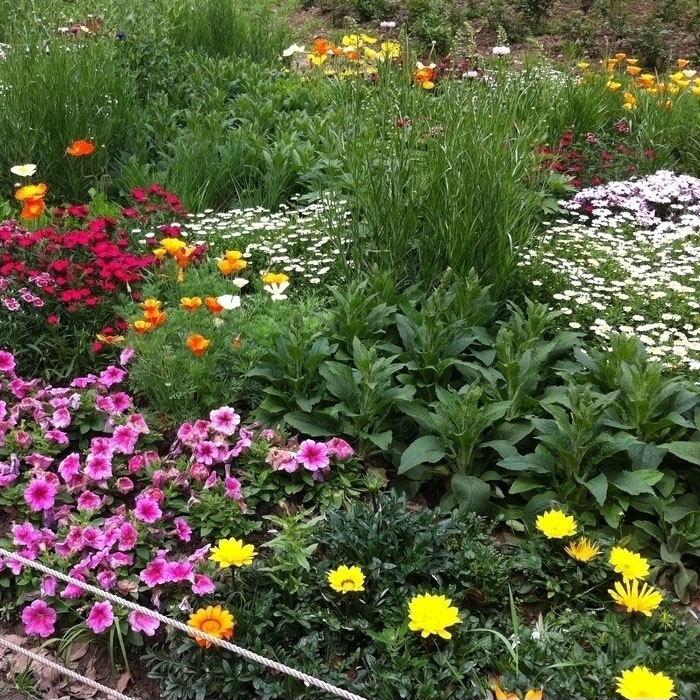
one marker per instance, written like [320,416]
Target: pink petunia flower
[39,619]
[126,356]
[180,571]
[107,579]
[140,622]
[183,530]
[7,362]
[112,375]
[61,418]
[339,449]
[98,467]
[155,573]
[48,586]
[101,617]
[40,494]
[313,455]
[202,585]
[224,420]
[128,537]
[89,501]
[147,510]
[124,439]
[124,484]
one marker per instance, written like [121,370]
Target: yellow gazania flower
[432,614]
[629,596]
[583,550]
[274,278]
[555,524]
[347,579]
[215,621]
[613,86]
[389,50]
[639,682]
[190,303]
[233,552]
[633,70]
[682,63]
[172,245]
[629,564]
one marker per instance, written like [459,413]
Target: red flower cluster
[589,159]
[73,263]
[152,201]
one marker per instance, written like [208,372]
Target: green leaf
[425,449]
[381,440]
[631,482]
[688,451]
[523,484]
[598,486]
[313,424]
[685,582]
[472,493]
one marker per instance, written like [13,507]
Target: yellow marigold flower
[682,63]
[172,245]
[347,579]
[190,303]
[274,278]
[432,614]
[555,524]
[633,70]
[639,683]
[215,621]
[630,564]
[613,86]
[233,552]
[583,550]
[629,596]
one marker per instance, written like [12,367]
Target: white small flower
[500,50]
[387,25]
[218,322]
[294,48]
[239,282]
[229,301]
[23,170]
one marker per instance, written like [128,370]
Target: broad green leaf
[471,493]
[688,451]
[630,482]
[425,449]
[598,486]
[313,424]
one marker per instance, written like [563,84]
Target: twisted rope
[192,631]
[64,671]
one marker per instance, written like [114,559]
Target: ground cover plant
[372,347]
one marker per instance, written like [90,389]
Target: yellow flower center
[211,626]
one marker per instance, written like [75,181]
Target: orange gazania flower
[198,345]
[22,194]
[32,209]
[142,327]
[190,303]
[215,621]
[213,305]
[80,148]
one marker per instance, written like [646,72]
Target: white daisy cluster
[3,49]
[303,242]
[627,260]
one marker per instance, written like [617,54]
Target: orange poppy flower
[32,209]
[160,253]
[190,303]
[183,257]
[109,339]
[22,194]
[155,318]
[142,327]
[321,47]
[151,305]
[213,305]
[197,344]
[80,148]
[232,262]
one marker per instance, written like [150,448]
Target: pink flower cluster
[80,462]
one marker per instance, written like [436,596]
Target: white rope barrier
[65,671]
[192,631]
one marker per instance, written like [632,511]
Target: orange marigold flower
[80,148]
[213,305]
[32,209]
[22,194]
[198,345]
